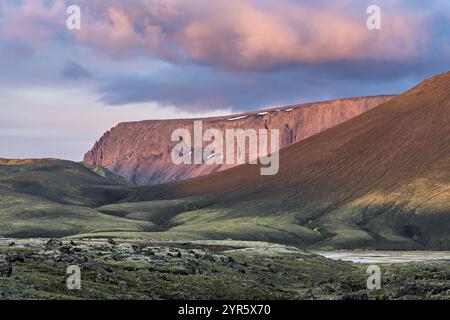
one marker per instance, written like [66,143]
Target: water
[385,256]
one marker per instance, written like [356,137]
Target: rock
[53,244]
[15,258]
[112,241]
[353,296]
[104,277]
[141,151]
[66,250]
[5,269]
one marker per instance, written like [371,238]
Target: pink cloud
[241,35]
[115,32]
[229,34]
[32,21]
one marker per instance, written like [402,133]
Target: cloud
[201,88]
[15,50]
[30,21]
[243,35]
[73,70]
[205,55]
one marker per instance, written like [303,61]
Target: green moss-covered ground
[137,269]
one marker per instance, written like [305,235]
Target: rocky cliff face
[141,151]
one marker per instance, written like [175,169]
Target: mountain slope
[381,179]
[54,198]
[140,151]
[62,181]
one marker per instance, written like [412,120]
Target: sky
[131,60]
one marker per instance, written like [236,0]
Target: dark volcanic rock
[53,244]
[5,269]
[112,241]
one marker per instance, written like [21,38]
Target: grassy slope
[63,182]
[53,198]
[379,180]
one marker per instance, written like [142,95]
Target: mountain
[380,180]
[56,198]
[140,151]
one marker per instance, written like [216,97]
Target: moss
[210,271]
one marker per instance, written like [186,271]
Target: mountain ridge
[140,151]
[381,179]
